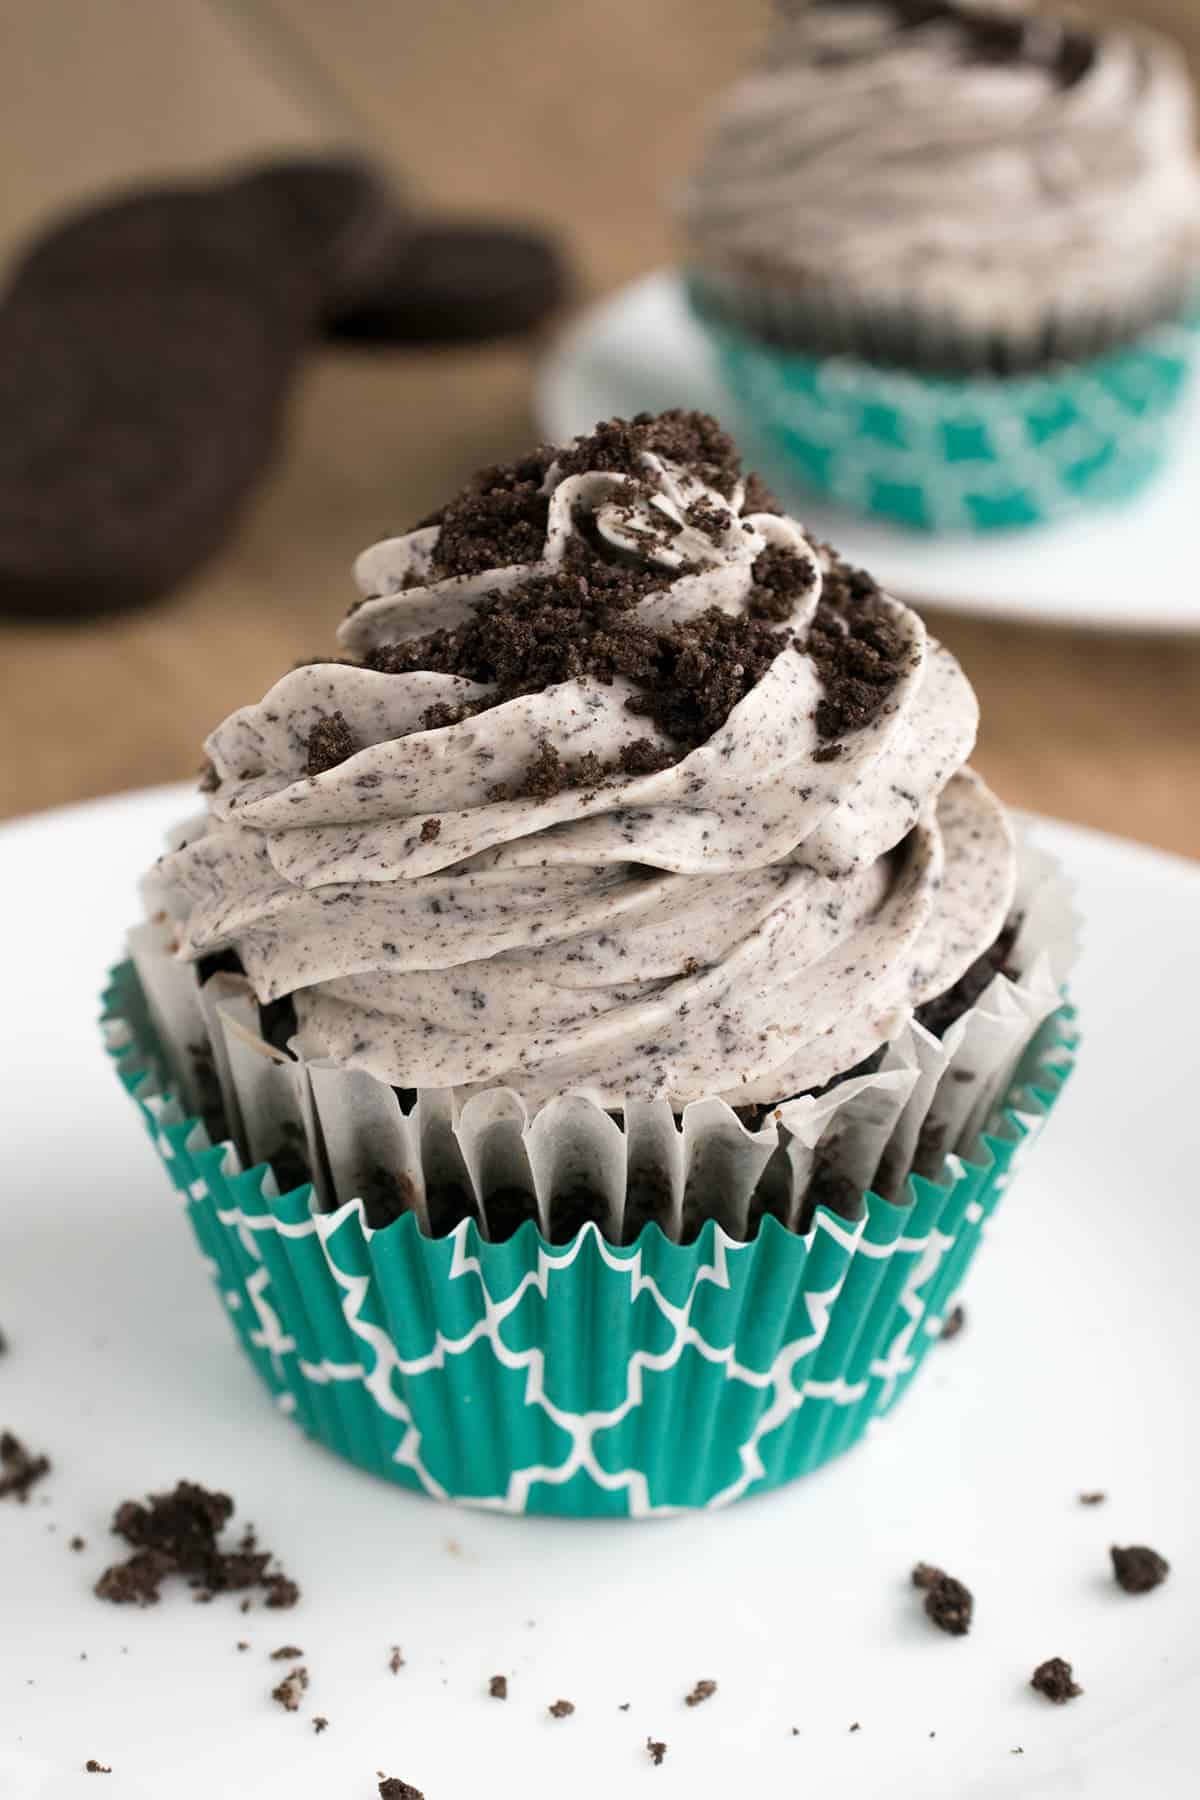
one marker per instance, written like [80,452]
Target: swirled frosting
[966,157]
[752,916]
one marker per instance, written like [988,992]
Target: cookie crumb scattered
[287,1653]
[926,1575]
[77,1543]
[242,1644]
[392,1788]
[1138,1568]
[177,1534]
[562,1709]
[856,1726]
[430,830]
[20,1469]
[97,1768]
[498,1687]
[1095,1497]
[656,1750]
[703,1690]
[624,1706]
[953,1323]
[1056,1679]
[291,1689]
[950,1605]
[320,1723]
[396,1660]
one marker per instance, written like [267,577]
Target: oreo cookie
[458,281]
[138,417]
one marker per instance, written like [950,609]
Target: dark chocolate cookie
[137,417]
[457,282]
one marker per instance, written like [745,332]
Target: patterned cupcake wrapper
[954,453]
[587,1377]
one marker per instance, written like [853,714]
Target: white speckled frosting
[884,155]
[746,923]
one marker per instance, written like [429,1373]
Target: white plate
[1132,567]
[1077,1370]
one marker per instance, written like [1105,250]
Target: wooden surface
[579,116]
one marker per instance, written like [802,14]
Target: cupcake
[949,254]
[593,1018]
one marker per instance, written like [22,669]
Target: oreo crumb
[703,1690]
[430,830]
[395,1660]
[856,1726]
[320,1723]
[329,744]
[498,1687]
[1095,1497]
[498,520]
[392,1788]
[97,1768]
[20,1469]
[291,1689]
[693,440]
[656,1750]
[859,652]
[1056,1680]
[952,1324]
[624,1706]
[926,1576]
[286,1653]
[177,1534]
[77,1543]
[242,1644]
[949,1605]
[1138,1568]
[209,781]
[562,1709]
[781,578]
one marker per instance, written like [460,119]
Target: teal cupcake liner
[955,453]
[585,1378]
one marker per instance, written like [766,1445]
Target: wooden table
[581,116]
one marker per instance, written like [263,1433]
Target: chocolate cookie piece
[336,222]
[456,281]
[138,415]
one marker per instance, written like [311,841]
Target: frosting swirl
[747,919]
[967,157]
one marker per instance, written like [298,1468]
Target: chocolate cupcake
[569,940]
[951,253]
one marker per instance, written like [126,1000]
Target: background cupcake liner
[737,1307]
[955,453]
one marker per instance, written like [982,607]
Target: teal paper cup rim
[955,454]
[584,1378]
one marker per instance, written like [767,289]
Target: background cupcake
[568,1021]
[950,253]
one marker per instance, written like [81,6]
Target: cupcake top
[970,158]
[623,785]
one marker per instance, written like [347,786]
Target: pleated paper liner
[955,453]
[588,1377]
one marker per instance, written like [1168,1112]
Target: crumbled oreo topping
[948,1604]
[1055,1678]
[561,1709]
[859,652]
[656,1750]
[392,1788]
[329,744]
[954,1322]
[498,1687]
[1137,1568]
[499,519]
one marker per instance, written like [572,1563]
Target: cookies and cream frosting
[625,785]
[974,158]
